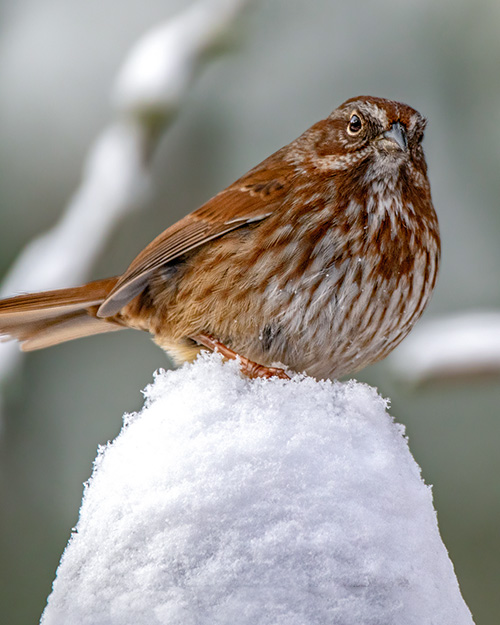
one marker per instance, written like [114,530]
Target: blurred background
[289,63]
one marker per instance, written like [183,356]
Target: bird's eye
[355,125]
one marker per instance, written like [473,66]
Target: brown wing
[251,198]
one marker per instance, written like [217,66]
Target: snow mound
[229,501]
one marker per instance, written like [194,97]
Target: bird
[319,260]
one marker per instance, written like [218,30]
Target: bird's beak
[397,137]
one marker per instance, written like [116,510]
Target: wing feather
[252,198]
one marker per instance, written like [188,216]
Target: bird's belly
[339,321]
[327,317]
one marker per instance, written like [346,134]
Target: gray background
[293,62]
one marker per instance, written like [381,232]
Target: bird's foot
[248,367]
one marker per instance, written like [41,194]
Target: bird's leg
[248,367]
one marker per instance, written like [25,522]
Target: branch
[459,347]
[149,89]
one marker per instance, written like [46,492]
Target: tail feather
[39,320]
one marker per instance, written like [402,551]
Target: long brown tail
[39,320]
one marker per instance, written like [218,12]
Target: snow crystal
[230,501]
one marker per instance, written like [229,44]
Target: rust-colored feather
[39,320]
[250,199]
[322,257]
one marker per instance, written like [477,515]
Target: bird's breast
[349,306]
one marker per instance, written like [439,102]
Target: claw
[248,367]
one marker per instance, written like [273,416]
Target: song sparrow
[321,258]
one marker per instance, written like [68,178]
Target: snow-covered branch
[257,502]
[149,88]
[458,347]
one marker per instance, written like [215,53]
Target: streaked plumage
[321,258]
